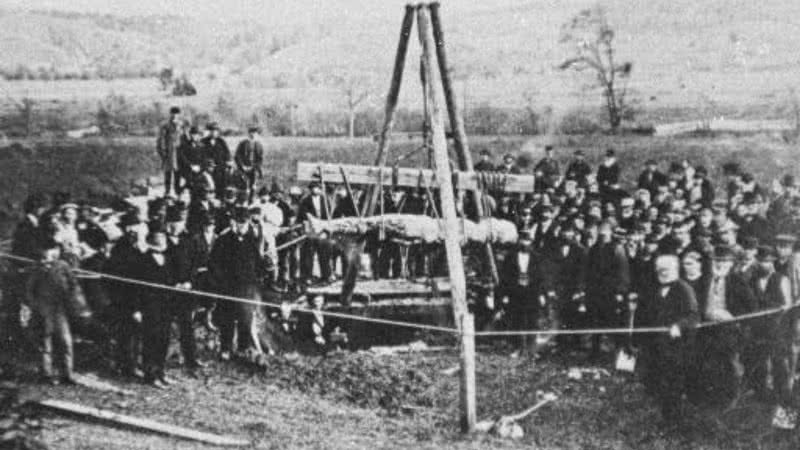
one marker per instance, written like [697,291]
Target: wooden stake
[459,131]
[350,192]
[455,261]
[391,102]
[141,424]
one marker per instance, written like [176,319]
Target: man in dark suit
[24,243]
[770,346]
[156,305]
[666,357]
[125,308]
[578,169]
[200,207]
[237,268]
[509,165]
[191,155]
[651,178]
[182,306]
[545,230]
[728,295]
[201,243]
[607,282]
[547,171]
[520,280]
[169,140]
[485,164]
[608,172]
[316,205]
[249,157]
[564,279]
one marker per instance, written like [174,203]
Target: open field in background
[691,59]
[101,169]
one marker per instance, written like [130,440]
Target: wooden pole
[455,261]
[391,103]
[459,131]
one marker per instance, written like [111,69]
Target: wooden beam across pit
[407,177]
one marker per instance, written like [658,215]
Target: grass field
[281,408]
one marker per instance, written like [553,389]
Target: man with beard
[236,268]
[665,357]
[126,309]
[547,171]
[545,230]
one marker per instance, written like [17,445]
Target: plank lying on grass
[142,424]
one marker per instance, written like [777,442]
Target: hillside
[686,54]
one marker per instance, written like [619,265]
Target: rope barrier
[588,331]
[244,300]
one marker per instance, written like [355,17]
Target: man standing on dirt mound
[169,139]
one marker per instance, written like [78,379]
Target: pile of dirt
[393,384]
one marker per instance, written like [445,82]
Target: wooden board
[387,287]
[407,177]
[142,424]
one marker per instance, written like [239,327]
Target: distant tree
[356,88]
[183,87]
[165,77]
[592,39]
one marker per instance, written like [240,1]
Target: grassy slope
[686,54]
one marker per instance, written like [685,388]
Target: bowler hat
[174,110]
[766,253]
[212,126]
[241,214]
[723,253]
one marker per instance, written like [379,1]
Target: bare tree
[356,88]
[592,38]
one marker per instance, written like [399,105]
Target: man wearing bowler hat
[167,145]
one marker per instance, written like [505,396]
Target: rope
[244,300]
[589,331]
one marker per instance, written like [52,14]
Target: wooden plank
[407,177]
[455,261]
[141,424]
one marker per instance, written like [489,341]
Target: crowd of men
[669,253]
